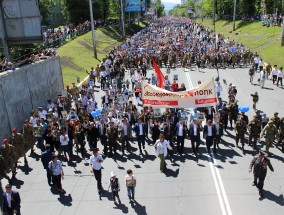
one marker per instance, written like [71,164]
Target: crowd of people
[272,20]
[52,39]
[76,119]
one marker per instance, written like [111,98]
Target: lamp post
[234,15]
[122,18]
[93,29]
[282,41]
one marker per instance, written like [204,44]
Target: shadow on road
[272,197]
[65,200]
[139,209]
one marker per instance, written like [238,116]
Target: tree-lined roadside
[265,41]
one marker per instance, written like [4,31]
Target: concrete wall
[25,89]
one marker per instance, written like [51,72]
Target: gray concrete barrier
[25,89]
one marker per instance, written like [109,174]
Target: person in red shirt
[174,86]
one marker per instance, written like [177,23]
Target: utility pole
[282,41]
[3,35]
[93,29]
[214,5]
[234,16]
[122,18]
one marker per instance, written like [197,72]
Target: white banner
[202,96]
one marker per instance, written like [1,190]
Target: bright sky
[172,1]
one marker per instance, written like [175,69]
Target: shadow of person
[107,195]
[17,183]
[122,207]
[272,197]
[171,173]
[25,169]
[139,209]
[65,200]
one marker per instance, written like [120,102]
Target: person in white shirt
[261,63]
[95,165]
[42,113]
[274,74]
[50,105]
[256,62]
[162,147]
[130,181]
[64,140]
[280,77]
[262,78]
[219,89]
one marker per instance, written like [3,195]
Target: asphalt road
[204,185]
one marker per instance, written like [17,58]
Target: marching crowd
[76,119]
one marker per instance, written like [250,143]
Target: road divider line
[227,205]
[189,80]
[221,202]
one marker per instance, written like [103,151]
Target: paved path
[203,185]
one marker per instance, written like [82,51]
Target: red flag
[160,76]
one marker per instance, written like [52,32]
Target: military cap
[262,152]
[14,129]
[27,121]
[276,113]
[5,140]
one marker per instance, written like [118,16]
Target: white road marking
[188,79]
[221,202]
[227,205]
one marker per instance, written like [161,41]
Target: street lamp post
[282,41]
[234,16]
[93,29]
[122,18]
[214,14]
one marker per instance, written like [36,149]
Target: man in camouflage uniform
[9,155]
[240,129]
[3,169]
[254,128]
[281,133]
[276,120]
[19,144]
[28,134]
[271,133]
[112,136]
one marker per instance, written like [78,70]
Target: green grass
[78,55]
[265,41]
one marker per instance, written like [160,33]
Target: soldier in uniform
[28,134]
[80,137]
[240,129]
[271,133]
[254,128]
[3,169]
[112,135]
[9,155]
[259,165]
[19,143]
[276,120]
[281,133]
[255,99]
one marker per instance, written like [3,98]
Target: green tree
[44,6]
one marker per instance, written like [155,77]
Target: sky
[172,1]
